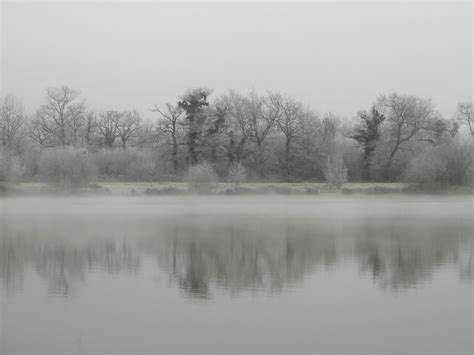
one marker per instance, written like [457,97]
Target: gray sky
[332,56]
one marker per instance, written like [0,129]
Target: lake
[237,275]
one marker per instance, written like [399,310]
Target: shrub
[66,168]
[112,164]
[126,165]
[335,171]
[11,169]
[201,177]
[458,157]
[444,165]
[142,167]
[426,170]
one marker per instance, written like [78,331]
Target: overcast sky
[332,56]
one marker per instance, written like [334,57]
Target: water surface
[318,275]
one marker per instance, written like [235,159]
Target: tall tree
[311,157]
[76,123]
[406,116]
[237,130]
[367,135]
[289,123]
[194,102]
[263,113]
[168,126]
[214,126]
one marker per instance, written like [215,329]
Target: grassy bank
[170,188]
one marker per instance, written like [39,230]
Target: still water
[286,275]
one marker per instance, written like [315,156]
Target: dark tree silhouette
[367,135]
[193,103]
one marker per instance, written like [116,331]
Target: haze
[332,56]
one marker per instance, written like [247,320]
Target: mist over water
[237,274]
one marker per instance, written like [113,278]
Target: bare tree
[36,131]
[263,113]
[127,125]
[146,135]
[108,126]
[237,129]
[168,126]
[311,129]
[76,123]
[11,122]
[289,124]
[406,116]
[464,115]
[59,111]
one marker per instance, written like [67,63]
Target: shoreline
[108,188]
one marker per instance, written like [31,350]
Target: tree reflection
[232,255]
[238,256]
[408,255]
[11,265]
[60,265]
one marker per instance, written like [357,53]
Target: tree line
[271,136]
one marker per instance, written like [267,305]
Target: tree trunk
[175,156]
[261,158]
[175,147]
[287,158]
[366,176]
[192,146]
[230,153]
[388,165]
